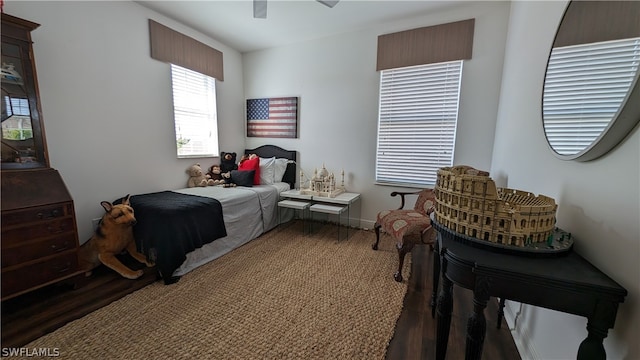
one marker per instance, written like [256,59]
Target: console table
[566,283]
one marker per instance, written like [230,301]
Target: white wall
[598,201]
[337,82]
[107,106]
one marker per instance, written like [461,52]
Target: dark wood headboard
[267,151]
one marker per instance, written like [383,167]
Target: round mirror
[591,93]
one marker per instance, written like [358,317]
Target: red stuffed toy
[251,162]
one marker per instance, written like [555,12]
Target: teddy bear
[197,177]
[215,174]
[227,162]
[228,182]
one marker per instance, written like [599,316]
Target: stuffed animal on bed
[227,165]
[197,177]
[227,162]
[215,174]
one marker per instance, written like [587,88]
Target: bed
[186,228]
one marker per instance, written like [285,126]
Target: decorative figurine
[322,184]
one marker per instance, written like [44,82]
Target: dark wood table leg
[598,326]
[592,348]
[445,308]
[500,312]
[436,278]
[477,324]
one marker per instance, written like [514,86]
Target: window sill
[404,185]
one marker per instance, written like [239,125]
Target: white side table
[302,206]
[295,194]
[346,199]
[331,210]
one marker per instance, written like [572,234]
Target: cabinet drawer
[35,250]
[37,214]
[38,273]
[15,236]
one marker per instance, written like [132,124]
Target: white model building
[322,184]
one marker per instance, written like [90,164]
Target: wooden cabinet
[39,232]
[39,243]
[23,138]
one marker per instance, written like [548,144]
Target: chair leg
[403,249]
[376,227]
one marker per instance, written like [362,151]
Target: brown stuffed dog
[113,235]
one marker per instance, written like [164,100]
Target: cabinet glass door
[22,137]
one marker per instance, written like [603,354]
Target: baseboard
[520,333]
[366,224]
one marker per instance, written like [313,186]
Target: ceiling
[231,22]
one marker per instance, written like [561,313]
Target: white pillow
[267,170]
[280,168]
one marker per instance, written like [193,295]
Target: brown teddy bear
[215,174]
[197,177]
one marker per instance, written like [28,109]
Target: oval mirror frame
[582,21]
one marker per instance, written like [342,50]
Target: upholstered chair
[408,226]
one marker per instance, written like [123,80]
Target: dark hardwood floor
[415,335]
[32,315]
[29,316]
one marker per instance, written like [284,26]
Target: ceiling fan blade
[260,9]
[329,3]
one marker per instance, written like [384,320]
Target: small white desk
[347,199]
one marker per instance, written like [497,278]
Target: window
[16,119]
[195,113]
[585,86]
[417,122]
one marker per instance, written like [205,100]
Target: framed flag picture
[272,117]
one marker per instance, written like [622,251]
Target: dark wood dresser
[39,236]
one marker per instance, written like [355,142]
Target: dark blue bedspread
[171,224]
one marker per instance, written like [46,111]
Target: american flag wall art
[272,117]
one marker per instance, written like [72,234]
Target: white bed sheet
[248,212]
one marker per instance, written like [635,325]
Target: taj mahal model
[322,184]
[468,202]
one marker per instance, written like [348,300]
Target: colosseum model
[468,202]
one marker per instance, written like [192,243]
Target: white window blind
[195,113]
[417,122]
[583,90]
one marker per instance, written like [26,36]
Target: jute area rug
[281,296]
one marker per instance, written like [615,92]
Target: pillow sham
[252,164]
[243,177]
[267,170]
[280,166]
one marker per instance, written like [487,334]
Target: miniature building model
[468,202]
[322,184]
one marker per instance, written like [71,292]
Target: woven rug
[281,296]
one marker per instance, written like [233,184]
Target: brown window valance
[173,47]
[586,22]
[431,44]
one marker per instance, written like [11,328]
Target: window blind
[417,122]
[194,106]
[584,88]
